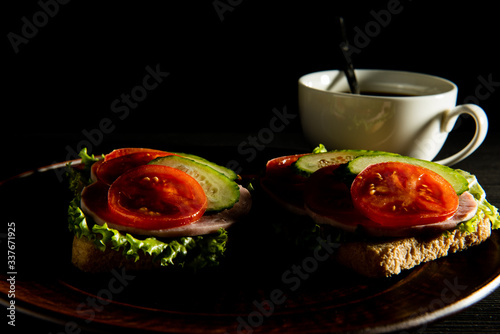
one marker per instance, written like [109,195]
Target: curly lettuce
[193,252]
[80,178]
[320,149]
[485,209]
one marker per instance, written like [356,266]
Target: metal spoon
[348,66]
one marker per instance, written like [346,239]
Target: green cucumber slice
[226,171]
[222,193]
[457,180]
[308,164]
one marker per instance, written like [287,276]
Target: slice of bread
[89,258]
[384,259]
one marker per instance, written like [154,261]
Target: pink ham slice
[209,223]
[467,208]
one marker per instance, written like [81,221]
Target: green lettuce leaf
[79,178]
[484,207]
[193,252]
[88,160]
[320,149]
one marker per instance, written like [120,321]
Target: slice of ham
[467,208]
[209,223]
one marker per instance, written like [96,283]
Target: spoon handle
[348,66]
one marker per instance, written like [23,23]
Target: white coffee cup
[416,125]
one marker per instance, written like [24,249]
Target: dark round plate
[263,285]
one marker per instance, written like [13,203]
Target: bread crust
[384,259]
[88,258]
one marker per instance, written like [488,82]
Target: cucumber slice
[457,180]
[222,193]
[308,164]
[226,171]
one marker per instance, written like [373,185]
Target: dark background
[228,67]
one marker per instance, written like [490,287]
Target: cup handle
[481,120]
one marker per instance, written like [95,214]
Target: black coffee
[385,94]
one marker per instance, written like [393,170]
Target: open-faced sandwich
[389,212]
[142,208]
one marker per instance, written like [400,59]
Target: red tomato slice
[282,182]
[156,197]
[130,150]
[93,170]
[327,195]
[95,202]
[109,170]
[397,194]
[281,169]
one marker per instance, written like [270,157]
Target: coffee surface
[385,94]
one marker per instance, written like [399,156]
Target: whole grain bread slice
[384,259]
[88,258]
